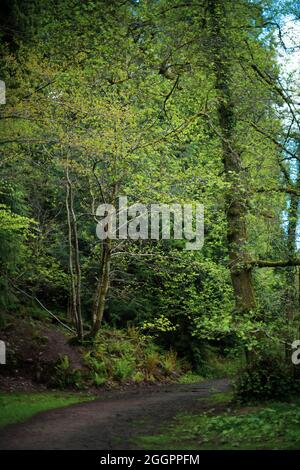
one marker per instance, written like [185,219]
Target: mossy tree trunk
[236,204]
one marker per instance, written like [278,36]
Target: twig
[45,308]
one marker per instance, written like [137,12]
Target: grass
[224,398]
[16,407]
[190,378]
[274,426]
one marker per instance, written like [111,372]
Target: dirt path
[110,422]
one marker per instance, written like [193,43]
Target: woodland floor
[112,422]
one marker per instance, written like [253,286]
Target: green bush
[170,362]
[151,365]
[264,379]
[138,377]
[123,368]
[127,355]
[65,376]
[98,379]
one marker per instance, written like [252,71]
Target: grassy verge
[190,378]
[270,426]
[15,407]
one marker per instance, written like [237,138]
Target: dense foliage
[163,102]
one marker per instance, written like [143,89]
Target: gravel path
[109,423]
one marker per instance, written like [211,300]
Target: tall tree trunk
[241,274]
[291,251]
[74,260]
[102,287]
[292,277]
[103,282]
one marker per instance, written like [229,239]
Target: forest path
[110,423]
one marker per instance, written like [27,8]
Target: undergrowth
[121,357]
